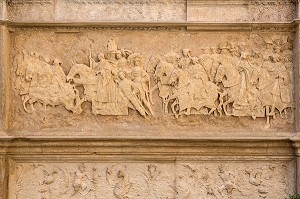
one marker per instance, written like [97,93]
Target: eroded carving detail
[231,78]
[208,180]
[272,10]
[113,83]
[227,79]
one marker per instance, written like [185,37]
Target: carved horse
[81,74]
[52,93]
[187,94]
[230,78]
[162,72]
[268,84]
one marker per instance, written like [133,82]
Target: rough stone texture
[4,47]
[149,99]
[2,191]
[132,10]
[1,10]
[30,10]
[153,180]
[241,11]
[148,43]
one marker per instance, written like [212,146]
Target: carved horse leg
[212,110]
[226,104]
[45,110]
[268,125]
[26,99]
[165,105]
[173,108]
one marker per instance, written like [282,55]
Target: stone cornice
[191,26]
[222,148]
[239,2]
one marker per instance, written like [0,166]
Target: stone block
[240,11]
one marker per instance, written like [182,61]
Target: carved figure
[130,90]
[46,85]
[109,93]
[45,189]
[117,175]
[83,183]
[228,78]
[228,178]
[141,80]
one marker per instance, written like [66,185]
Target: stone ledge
[237,147]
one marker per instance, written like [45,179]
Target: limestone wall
[149,99]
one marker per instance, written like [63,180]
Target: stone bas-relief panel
[152,78]
[152,180]
[241,11]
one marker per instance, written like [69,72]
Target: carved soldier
[97,66]
[106,88]
[141,80]
[186,59]
[121,61]
[58,72]
[130,90]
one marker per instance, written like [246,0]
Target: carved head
[57,62]
[194,60]
[186,52]
[101,57]
[121,174]
[136,60]
[122,75]
[118,54]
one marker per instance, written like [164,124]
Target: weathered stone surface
[240,11]
[149,99]
[2,191]
[152,180]
[4,54]
[132,10]
[30,10]
[242,59]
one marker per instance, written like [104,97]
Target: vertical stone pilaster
[298,175]
[4,77]
[297,169]
[296,77]
[1,179]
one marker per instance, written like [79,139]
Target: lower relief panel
[224,179]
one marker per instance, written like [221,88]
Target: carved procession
[228,79]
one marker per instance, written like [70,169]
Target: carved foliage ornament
[208,180]
[225,79]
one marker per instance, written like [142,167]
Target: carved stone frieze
[152,180]
[231,78]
